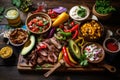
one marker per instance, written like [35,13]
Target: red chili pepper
[73,28]
[64,51]
[75,35]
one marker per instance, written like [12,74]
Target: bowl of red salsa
[38,23]
[111,45]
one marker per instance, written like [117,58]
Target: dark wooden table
[8,69]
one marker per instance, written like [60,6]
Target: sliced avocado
[28,46]
[74,50]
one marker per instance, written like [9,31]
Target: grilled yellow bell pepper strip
[61,18]
[80,41]
[60,56]
[71,59]
[69,56]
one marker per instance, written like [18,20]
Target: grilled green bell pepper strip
[75,30]
[61,35]
[59,30]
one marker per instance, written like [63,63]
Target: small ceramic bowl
[91,30]
[37,23]
[111,45]
[100,16]
[6,52]
[76,12]
[94,52]
[18,37]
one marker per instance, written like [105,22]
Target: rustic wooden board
[22,66]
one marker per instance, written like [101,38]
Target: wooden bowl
[43,15]
[100,16]
[101,54]
[89,31]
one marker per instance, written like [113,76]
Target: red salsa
[38,24]
[112,46]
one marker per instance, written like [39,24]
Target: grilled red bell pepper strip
[75,35]
[64,51]
[73,28]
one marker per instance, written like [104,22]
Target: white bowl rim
[87,9]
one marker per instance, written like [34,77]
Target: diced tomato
[30,23]
[40,23]
[35,29]
[34,20]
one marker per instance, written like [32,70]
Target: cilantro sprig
[23,5]
[83,60]
[81,12]
[104,7]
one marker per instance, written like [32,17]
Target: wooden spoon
[54,68]
[109,67]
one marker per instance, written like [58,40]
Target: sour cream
[73,13]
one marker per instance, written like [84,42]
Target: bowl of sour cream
[79,12]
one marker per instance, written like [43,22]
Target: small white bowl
[73,13]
